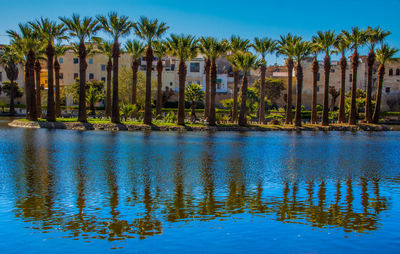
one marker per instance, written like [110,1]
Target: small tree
[391,101]
[93,96]
[194,94]
[273,89]
[18,92]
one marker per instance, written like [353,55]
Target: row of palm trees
[37,40]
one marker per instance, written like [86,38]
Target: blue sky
[223,18]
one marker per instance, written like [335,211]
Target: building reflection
[143,207]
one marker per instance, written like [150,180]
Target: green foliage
[227,103]
[319,107]
[193,92]
[273,89]
[128,111]
[170,117]
[94,95]
[6,89]
[360,101]
[125,86]
[73,89]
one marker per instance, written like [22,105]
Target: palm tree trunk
[38,89]
[82,115]
[135,68]
[147,104]
[12,104]
[193,115]
[31,69]
[315,69]
[51,114]
[261,111]
[159,87]
[181,95]
[289,113]
[235,95]
[242,114]
[213,92]
[368,106]
[327,70]
[57,77]
[381,73]
[207,66]
[27,90]
[353,113]
[342,103]
[299,74]
[115,104]
[108,92]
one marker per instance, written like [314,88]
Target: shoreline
[143,127]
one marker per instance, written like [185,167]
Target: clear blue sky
[222,18]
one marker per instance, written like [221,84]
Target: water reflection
[116,186]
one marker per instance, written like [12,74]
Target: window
[397,72]
[76,60]
[1,76]
[61,60]
[76,75]
[318,76]
[90,60]
[390,72]
[194,67]
[91,76]
[317,89]
[170,83]
[387,90]
[332,70]
[103,67]
[351,78]
[103,79]
[61,76]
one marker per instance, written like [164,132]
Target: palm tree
[27,43]
[135,49]
[160,51]
[193,94]
[149,30]
[325,42]
[217,48]
[374,36]
[116,26]
[302,49]
[205,49]
[10,60]
[263,46]
[236,44]
[357,38]
[383,55]
[59,51]
[49,31]
[105,48]
[83,29]
[315,70]
[185,48]
[246,62]
[342,45]
[286,47]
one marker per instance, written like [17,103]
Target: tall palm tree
[342,45]
[302,50]
[374,36]
[217,49]
[49,31]
[83,29]
[105,47]
[60,50]
[357,37]
[205,49]
[149,30]
[263,46]
[10,60]
[185,48]
[383,55]
[135,49]
[246,62]
[286,47]
[26,41]
[325,41]
[160,51]
[116,26]
[315,70]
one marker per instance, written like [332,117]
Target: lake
[225,192]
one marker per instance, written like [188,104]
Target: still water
[155,192]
